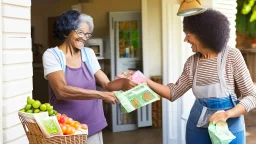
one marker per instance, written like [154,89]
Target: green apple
[29,111]
[36,104]
[23,110]
[28,106]
[55,112]
[30,101]
[50,112]
[47,104]
[36,111]
[49,107]
[43,107]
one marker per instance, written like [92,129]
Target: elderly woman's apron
[209,99]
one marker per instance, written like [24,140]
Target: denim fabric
[215,103]
[198,135]
[201,136]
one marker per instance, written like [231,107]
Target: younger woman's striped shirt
[236,73]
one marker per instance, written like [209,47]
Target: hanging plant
[246,17]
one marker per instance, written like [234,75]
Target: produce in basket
[70,126]
[35,106]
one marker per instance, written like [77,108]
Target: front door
[126,48]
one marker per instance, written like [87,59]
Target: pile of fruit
[35,106]
[68,125]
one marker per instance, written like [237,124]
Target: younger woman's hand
[128,84]
[219,116]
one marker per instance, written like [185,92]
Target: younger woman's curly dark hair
[211,28]
[65,23]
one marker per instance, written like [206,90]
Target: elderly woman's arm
[246,87]
[63,91]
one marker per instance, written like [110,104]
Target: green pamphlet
[136,97]
[219,133]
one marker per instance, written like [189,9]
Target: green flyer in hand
[219,133]
[136,97]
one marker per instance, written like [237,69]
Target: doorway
[42,39]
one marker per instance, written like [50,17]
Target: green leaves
[246,16]
[247,7]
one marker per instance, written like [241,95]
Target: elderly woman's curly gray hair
[68,21]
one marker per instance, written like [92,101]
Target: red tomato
[63,118]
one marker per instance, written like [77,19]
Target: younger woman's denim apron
[210,99]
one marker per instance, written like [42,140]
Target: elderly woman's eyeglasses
[82,35]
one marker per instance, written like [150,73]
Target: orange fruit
[72,123]
[84,126]
[64,115]
[58,116]
[68,129]
[63,128]
[77,125]
[72,131]
[68,121]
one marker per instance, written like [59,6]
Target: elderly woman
[72,71]
[212,73]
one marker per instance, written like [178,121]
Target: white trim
[165,72]
[173,61]
[144,14]
[1,73]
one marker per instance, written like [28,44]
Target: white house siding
[16,67]
[228,8]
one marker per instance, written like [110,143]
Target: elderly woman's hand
[219,116]
[109,97]
[128,84]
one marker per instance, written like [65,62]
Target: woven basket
[35,135]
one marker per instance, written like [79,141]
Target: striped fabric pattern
[236,72]
[207,72]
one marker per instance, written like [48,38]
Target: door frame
[171,42]
[1,75]
[173,58]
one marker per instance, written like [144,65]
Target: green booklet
[48,125]
[219,133]
[136,97]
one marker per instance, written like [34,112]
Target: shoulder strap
[85,59]
[60,56]
[194,62]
